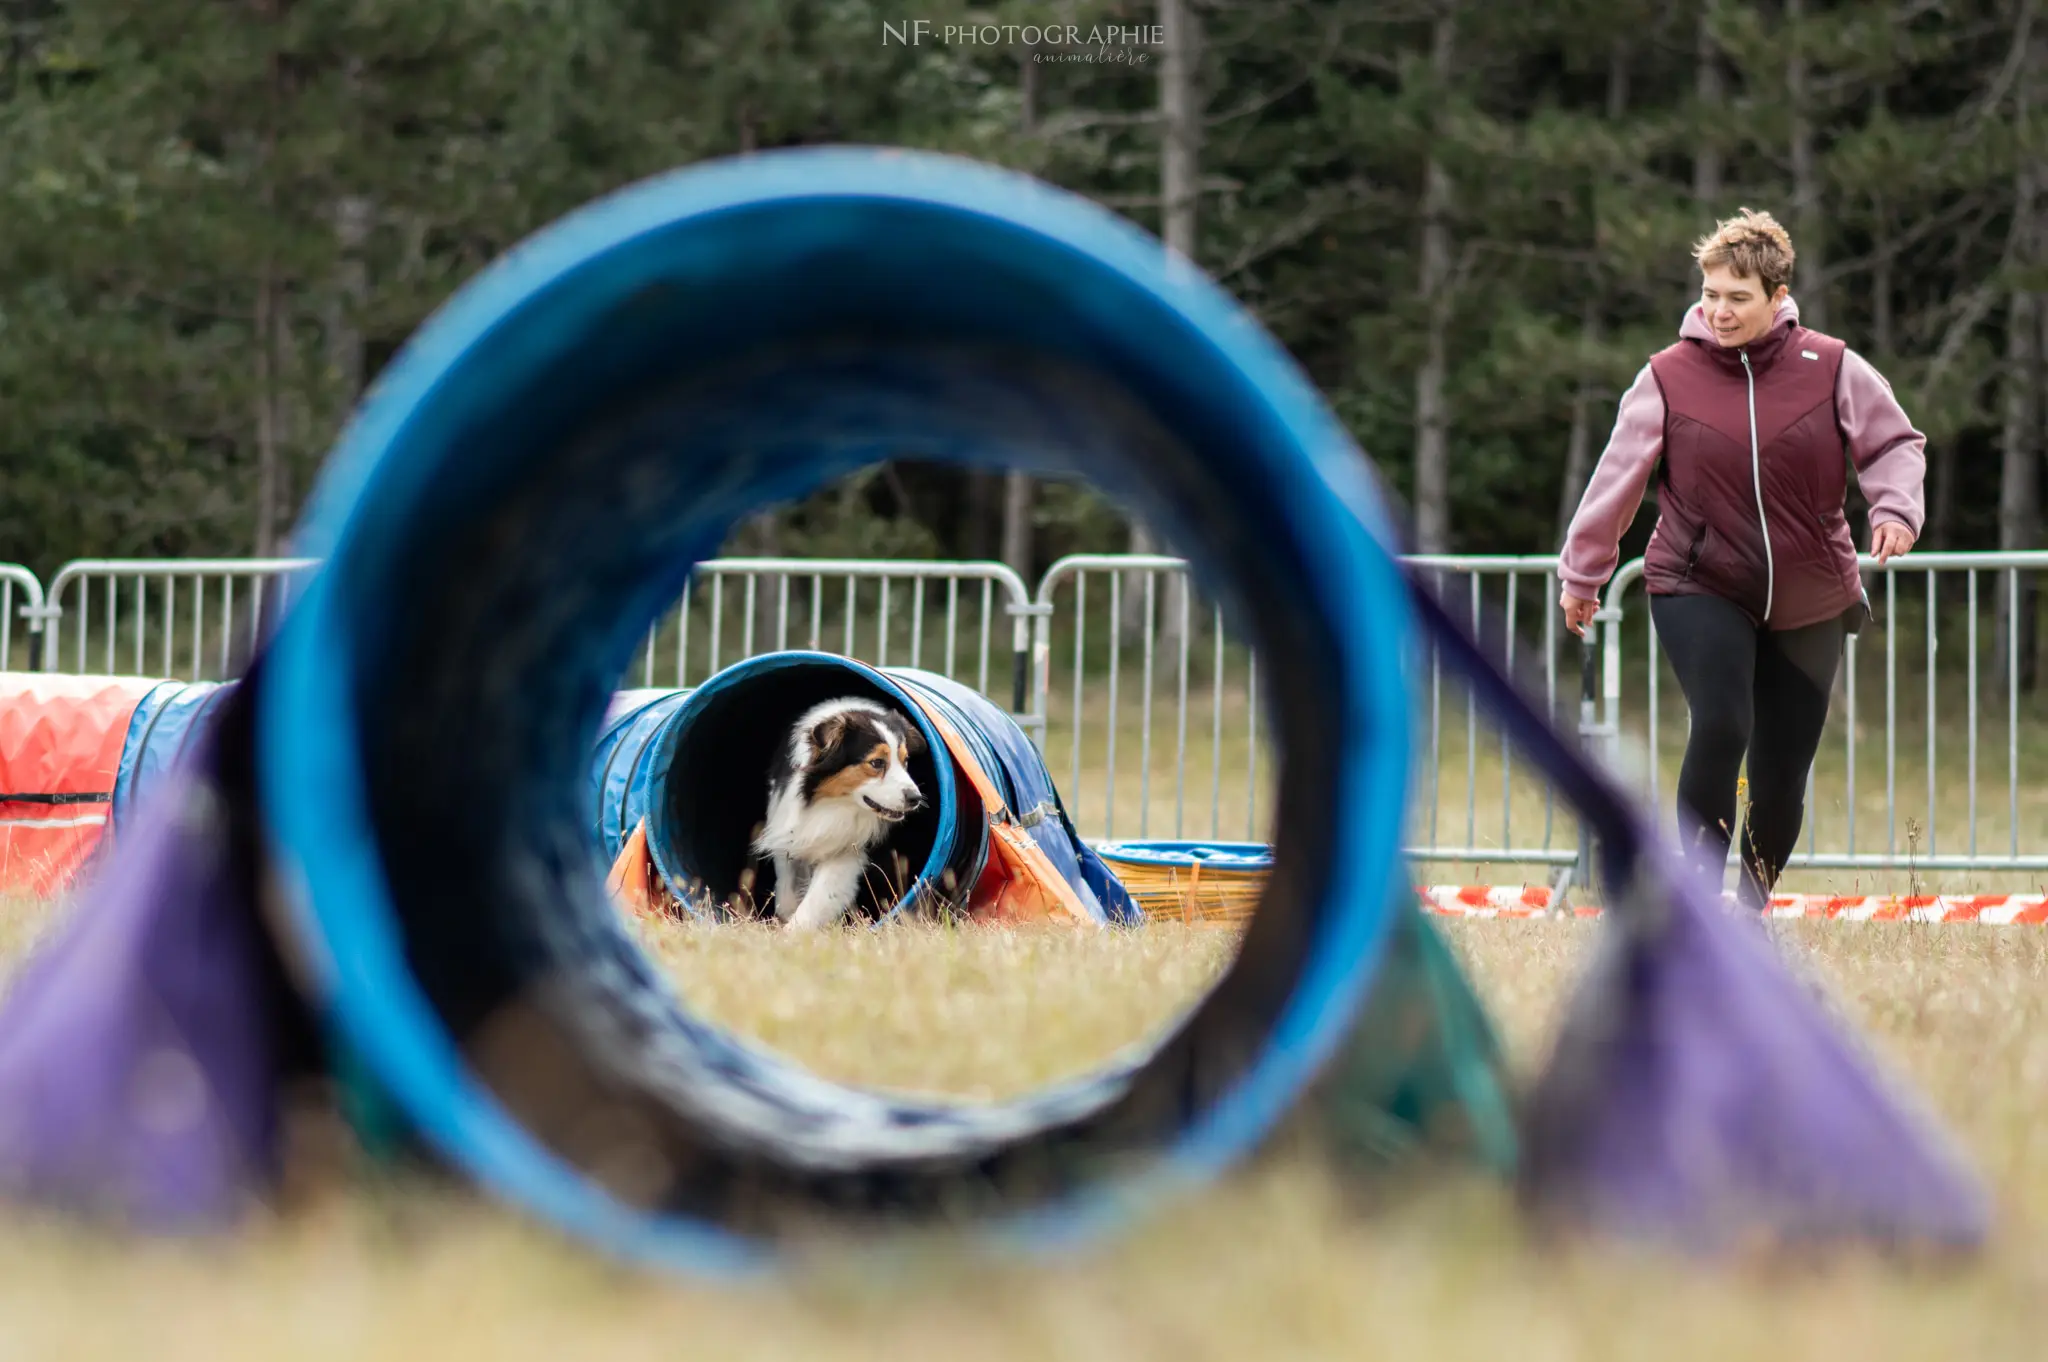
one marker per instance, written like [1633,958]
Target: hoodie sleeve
[1592,546]
[1890,456]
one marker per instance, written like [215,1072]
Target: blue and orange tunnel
[677,787]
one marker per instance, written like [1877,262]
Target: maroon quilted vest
[1762,526]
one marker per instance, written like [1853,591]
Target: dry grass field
[1278,1263]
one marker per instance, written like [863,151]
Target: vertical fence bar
[85,621]
[917,622]
[1145,710]
[1251,728]
[1080,645]
[817,609]
[781,612]
[753,602]
[255,613]
[227,622]
[2012,706]
[717,621]
[1180,761]
[113,620]
[1216,736]
[170,620]
[1550,594]
[1973,710]
[852,600]
[952,620]
[1472,738]
[198,628]
[683,634]
[1116,650]
[987,614]
[141,614]
[1436,732]
[1933,600]
[1891,712]
[882,630]
[1507,758]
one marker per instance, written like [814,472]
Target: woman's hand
[1889,540]
[1579,612]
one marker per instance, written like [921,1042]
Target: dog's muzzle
[910,806]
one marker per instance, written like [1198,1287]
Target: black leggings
[1756,691]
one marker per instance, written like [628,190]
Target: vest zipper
[1756,473]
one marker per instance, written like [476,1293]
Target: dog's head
[857,750]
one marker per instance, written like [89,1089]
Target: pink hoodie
[1889,455]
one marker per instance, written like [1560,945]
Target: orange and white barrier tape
[1998,910]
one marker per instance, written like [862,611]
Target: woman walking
[1751,568]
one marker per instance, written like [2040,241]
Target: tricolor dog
[837,787]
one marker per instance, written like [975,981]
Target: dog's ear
[825,735]
[913,740]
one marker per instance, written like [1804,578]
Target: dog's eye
[878,763]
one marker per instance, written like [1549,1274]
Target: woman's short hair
[1750,244]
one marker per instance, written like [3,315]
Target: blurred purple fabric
[137,1045]
[1701,1094]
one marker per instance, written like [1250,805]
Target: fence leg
[42,635]
[1591,731]
[1031,662]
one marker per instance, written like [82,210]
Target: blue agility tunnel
[692,765]
[531,481]
[688,765]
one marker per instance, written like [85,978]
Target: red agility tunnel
[60,751]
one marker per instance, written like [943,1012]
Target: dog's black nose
[914,803]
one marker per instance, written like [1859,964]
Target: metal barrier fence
[1191,672]
[1148,709]
[888,613]
[152,617]
[1941,584]
[1091,728]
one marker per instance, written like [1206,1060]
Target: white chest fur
[820,831]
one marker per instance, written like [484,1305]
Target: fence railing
[1923,594]
[1148,709]
[889,613]
[189,619]
[1152,599]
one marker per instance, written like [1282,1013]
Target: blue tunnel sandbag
[532,479]
[170,719]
